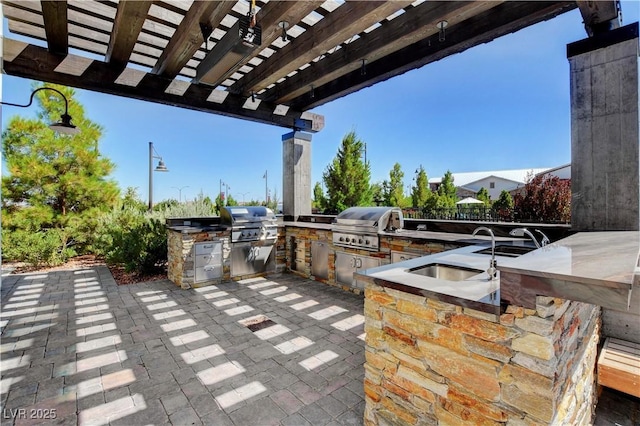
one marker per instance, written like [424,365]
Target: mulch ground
[119,274]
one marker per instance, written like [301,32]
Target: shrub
[42,248]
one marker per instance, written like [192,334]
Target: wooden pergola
[266,61]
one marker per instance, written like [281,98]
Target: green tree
[318,197]
[483,195]
[377,193]
[447,191]
[393,189]
[420,192]
[347,177]
[57,185]
[231,201]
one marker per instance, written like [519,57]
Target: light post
[180,191]
[226,194]
[160,168]
[64,125]
[266,187]
[222,200]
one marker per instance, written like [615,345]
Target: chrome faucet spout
[492,271]
[520,232]
[545,239]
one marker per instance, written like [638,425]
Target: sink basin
[509,251]
[445,272]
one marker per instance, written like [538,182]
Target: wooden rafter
[349,19]
[29,61]
[217,65]
[54,15]
[202,16]
[599,16]
[398,33]
[130,17]
[503,19]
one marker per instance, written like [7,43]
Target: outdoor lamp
[159,168]
[62,126]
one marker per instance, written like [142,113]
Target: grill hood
[246,215]
[370,219]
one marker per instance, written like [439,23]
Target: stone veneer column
[296,174]
[605,177]
[430,362]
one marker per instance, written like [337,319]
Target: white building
[468,184]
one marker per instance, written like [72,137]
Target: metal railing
[471,213]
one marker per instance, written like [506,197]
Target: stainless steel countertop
[593,267]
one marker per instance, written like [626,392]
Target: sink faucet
[492,271]
[520,232]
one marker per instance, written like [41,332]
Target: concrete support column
[296,174]
[605,138]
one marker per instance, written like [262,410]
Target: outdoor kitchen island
[530,360]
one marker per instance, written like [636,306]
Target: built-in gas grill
[250,223]
[359,227]
[254,231]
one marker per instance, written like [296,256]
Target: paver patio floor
[263,351]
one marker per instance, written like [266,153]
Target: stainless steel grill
[359,227]
[250,223]
[254,231]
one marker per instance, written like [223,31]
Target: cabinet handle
[358,263]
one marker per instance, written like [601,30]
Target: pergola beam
[223,60]
[34,62]
[349,19]
[54,16]
[130,17]
[195,27]
[503,19]
[599,16]
[408,28]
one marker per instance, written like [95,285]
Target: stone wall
[180,256]
[429,362]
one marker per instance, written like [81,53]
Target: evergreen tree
[503,206]
[57,185]
[318,197]
[420,193]
[394,187]
[447,196]
[483,195]
[347,177]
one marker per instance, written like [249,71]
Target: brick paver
[78,349]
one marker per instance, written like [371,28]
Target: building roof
[516,176]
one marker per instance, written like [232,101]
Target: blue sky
[501,105]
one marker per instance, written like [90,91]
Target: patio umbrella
[470,200]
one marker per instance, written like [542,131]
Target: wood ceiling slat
[37,63]
[54,15]
[213,70]
[127,24]
[188,38]
[17,14]
[417,23]
[27,30]
[506,18]
[347,20]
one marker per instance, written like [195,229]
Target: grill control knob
[367,242]
[347,239]
[360,241]
[341,238]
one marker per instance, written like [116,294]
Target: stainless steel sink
[446,272]
[509,251]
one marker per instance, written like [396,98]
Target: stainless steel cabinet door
[362,263]
[320,259]
[345,266]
